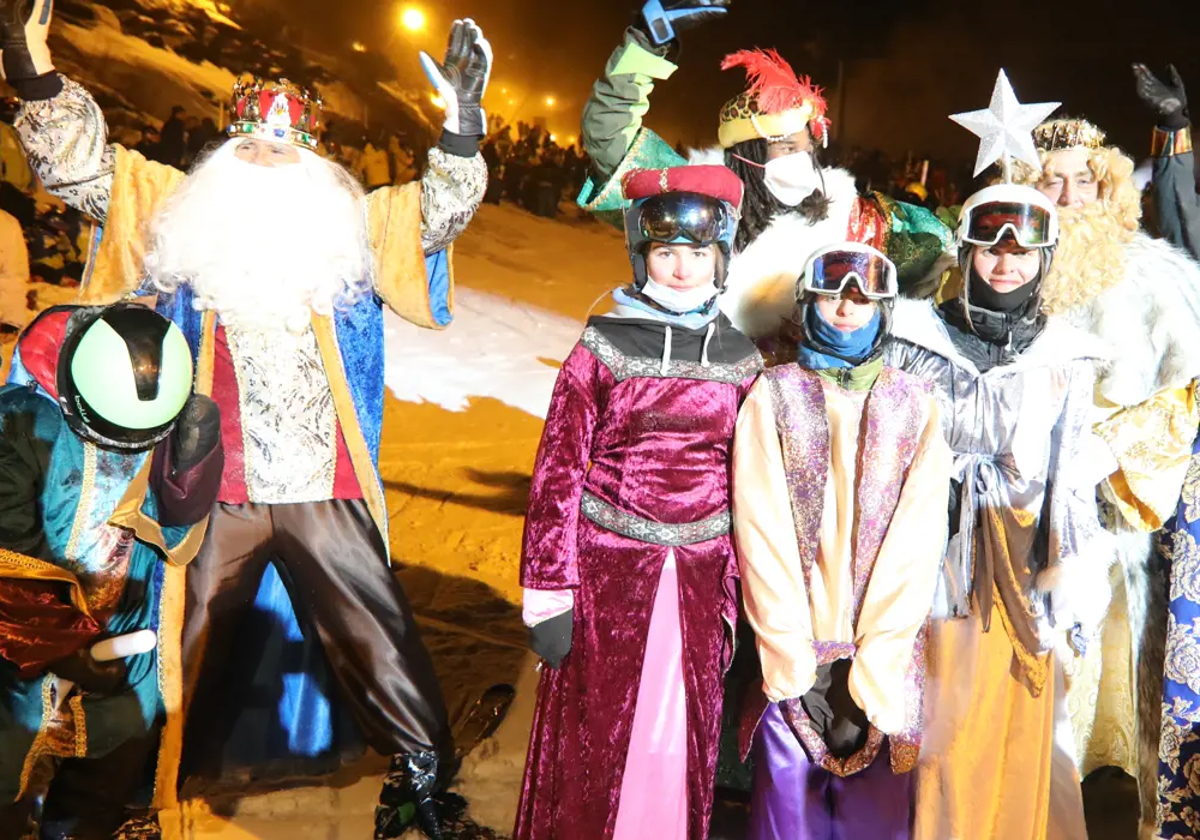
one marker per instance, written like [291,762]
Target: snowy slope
[507,342]
[143,56]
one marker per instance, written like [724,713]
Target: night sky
[906,65]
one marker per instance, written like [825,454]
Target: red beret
[716,181]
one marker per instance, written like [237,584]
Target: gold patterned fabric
[1152,442]
[1100,695]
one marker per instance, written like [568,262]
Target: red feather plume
[774,83]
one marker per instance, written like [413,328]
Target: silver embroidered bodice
[289,424]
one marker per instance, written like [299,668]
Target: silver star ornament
[1005,129]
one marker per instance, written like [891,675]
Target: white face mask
[792,178]
[679,301]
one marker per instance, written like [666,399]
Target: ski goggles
[684,217]
[832,269]
[986,224]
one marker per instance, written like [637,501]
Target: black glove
[1169,102]
[24,25]
[842,725]
[461,79]
[551,639]
[92,676]
[662,20]
[197,431]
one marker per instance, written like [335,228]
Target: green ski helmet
[124,375]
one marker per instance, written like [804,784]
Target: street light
[358,47]
[549,101]
[412,19]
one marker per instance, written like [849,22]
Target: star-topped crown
[278,111]
[1004,128]
[1068,133]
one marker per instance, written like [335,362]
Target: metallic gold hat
[776,104]
[1068,133]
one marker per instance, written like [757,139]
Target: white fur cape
[761,289]
[1150,322]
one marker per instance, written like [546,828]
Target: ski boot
[407,798]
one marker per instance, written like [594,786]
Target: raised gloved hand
[551,639]
[197,431]
[89,673]
[662,20]
[24,27]
[842,725]
[1169,102]
[461,79]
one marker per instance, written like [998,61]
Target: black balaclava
[1010,320]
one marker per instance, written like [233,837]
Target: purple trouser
[796,800]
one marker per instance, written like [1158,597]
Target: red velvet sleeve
[548,555]
[37,626]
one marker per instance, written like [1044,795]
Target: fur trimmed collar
[1150,323]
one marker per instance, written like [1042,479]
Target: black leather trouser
[332,558]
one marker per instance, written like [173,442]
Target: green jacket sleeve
[1176,202]
[612,129]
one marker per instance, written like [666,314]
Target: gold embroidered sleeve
[1152,442]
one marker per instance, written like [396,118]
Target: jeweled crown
[278,111]
[1055,135]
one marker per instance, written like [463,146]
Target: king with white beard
[1141,298]
[276,266]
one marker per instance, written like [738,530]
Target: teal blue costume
[69,577]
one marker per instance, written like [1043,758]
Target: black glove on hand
[842,725]
[1169,102]
[89,674]
[461,79]
[24,25]
[663,20]
[197,431]
[551,639]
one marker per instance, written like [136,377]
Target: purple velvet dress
[634,463]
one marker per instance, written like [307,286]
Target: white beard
[264,247]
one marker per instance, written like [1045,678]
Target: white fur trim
[761,290]
[1150,322]
[1079,587]
[712,156]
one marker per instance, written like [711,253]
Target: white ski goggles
[831,269]
[1030,225]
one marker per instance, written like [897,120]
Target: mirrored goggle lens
[1028,223]
[695,218]
[830,273]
